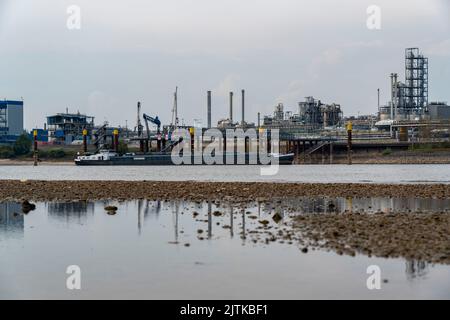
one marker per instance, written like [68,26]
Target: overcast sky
[278,50]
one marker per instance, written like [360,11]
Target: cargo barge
[105,158]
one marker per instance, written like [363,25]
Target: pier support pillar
[349,142]
[323,154]
[116,140]
[35,153]
[331,152]
[85,141]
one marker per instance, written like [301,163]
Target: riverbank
[398,157]
[37,190]
[30,162]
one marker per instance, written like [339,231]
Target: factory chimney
[395,94]
[392,96]
[231,106]
[209,109]
[243,107]
[378,105]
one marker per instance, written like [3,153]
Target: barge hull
[166,160]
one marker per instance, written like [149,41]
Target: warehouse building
[439,111]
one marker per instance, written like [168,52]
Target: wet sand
[37,190]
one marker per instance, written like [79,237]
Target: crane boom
[154,120]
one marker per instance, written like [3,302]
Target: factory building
[312,113]
[11,120]
[64,128]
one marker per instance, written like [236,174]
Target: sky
[279,51]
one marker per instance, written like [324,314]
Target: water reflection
[70,212]
[209,220]
[146,209]
[176,212]
[416,269]
[224,216]
[231,213]
[11,220]
[243,234]
[367,205]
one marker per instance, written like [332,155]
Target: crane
[155,121]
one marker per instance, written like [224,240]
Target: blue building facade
[11,120]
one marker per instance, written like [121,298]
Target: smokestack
[209,109]
[395,94]
[392,96]
[231,107]
[378,91]
[243,107]
[259,119]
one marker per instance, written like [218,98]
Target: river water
[164,250]
[394,174]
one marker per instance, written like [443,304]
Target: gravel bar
[200,191]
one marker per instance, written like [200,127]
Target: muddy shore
[200,191]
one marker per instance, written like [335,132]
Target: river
[391,174]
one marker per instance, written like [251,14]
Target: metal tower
[416,82]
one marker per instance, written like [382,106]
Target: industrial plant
[312,114]
[312,128]
[409,99]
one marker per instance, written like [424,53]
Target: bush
[56,153]
[6,152]
[387,152]
[22,146]
[123,147]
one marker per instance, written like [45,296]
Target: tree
[22,145]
